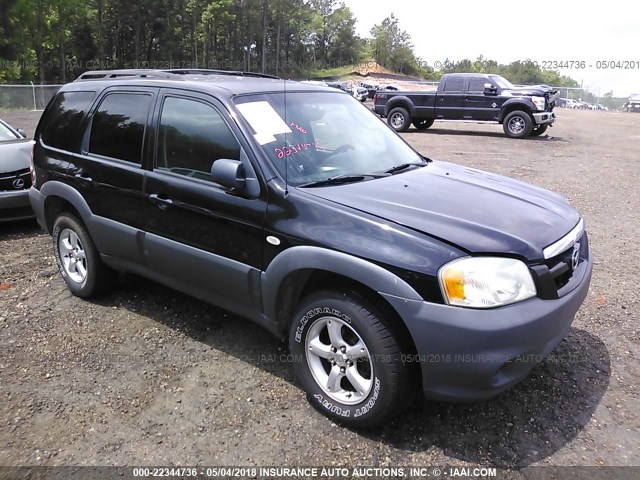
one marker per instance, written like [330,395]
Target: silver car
[15,177]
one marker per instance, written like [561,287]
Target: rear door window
[119,125]
[453,84]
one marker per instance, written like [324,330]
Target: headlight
[539,102]
[485,282]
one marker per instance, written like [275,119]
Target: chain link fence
[36,97]
[26,97]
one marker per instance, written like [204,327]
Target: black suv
[295,206]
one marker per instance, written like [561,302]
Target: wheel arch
[400,101]
[61,197]
[300,271]
[512,106]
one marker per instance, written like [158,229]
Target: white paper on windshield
[264,138]
[264,120]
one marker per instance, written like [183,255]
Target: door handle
[161,202]
[84,179]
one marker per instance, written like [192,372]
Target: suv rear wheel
[78,259]
[347,360]
[517,124]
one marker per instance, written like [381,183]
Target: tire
[423,124]
[517,124]
[78,259]
[399,119]
[537,131]
[381,387]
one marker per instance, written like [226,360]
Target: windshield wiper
[404,166]
[346,178]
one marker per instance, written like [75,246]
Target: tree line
[53,41]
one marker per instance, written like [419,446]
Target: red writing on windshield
[286,151]
[299,128]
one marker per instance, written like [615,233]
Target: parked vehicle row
[352,88]
[327,229]
[15,178]
[633,104]
[579,105]
[523,111]
[360,90]
[375,87]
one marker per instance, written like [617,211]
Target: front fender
[517,103]
[315,258]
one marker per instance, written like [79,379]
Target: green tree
[392,48]
[343,45]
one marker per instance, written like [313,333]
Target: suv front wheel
[78,259]
[347,360]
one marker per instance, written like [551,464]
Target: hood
[533,90]
[15,155]
[476,211]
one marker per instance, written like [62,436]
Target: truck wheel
[78,259]
[399,119]
[422,124]
[537,131]
[347,360]
[517,124]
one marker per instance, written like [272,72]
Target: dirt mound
[370,68]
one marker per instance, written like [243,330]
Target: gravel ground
[146,375]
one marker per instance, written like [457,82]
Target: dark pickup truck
[523,111]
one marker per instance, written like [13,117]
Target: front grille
[560,268]
[553,277]
[18,180]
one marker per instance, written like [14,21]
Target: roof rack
[126,73]
[204,71]
[172,74]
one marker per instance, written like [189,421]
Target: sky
[506,31]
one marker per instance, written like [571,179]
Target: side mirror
[229,173]
[21,132]
[489,89]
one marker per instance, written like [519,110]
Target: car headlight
[485,282]
[539,102]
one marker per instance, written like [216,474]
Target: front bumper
[544,118]
[471,355]
[14,205]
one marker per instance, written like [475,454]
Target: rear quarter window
[62,120]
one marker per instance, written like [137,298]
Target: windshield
[502,82]
[322,135]
[6,134]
